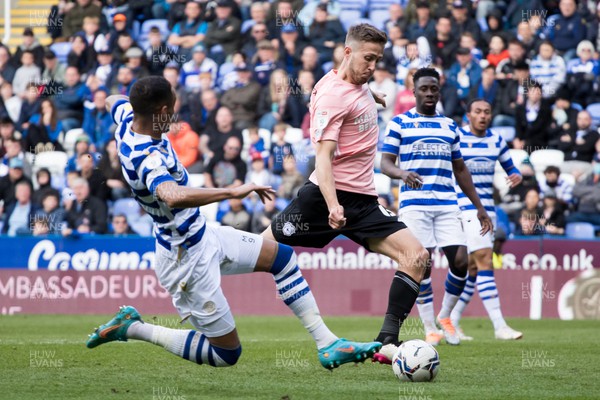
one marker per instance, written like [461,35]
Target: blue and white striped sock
[486,286]
[185,343]
[425,305]
[296,294]
[454,287]
[464,299]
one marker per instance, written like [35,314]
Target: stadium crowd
[244,71]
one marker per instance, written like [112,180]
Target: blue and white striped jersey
[147,162]
[426,145]
[480,155]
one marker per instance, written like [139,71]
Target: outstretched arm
[110,100]
[176,196]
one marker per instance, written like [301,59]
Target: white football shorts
[435,228]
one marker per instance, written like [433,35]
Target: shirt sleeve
[153,171]
[506,160]
[327,118]
[456,154]
[393,137]
[120,110]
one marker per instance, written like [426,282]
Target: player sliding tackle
[191,256]
[481,147]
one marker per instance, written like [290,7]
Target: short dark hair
[149,94]
[422,72]
[366,33]
[475,100]
[517,42]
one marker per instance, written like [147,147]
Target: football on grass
[416,361]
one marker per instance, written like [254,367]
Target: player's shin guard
[402,296]
[454,288]
[185,343]
[486,286]
[464,299]
[296,294]
[425,305]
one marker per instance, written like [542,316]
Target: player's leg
[412,258]
[465,299]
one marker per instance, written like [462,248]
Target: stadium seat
[379,16]
[61,50]
[210,211]
[500,182]
[55,161]
[383,184]
[70,138]
[570,179]
[294,135]
[196,180]
[518,156]
[507,132]
[128,207]
[540,159]
[594,110]
[577,106]
[580,230]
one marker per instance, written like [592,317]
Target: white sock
[464,300]
[425,306]
[454,288]
[173,340]
[486,286]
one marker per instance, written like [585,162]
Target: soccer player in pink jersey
[340,196]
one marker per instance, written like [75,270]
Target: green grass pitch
[44,357]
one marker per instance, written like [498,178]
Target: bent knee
[226,357]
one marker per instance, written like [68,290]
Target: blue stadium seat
[594,110]
[507,132]
[580,230]
[61,50]
[577,106]
[127,207]
[379,16]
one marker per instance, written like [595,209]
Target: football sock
[486,286]
[185,343]
[464,299]
[454,287]
[296,294]
[425,306]
[402,296]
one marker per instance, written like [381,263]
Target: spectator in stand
[284,16]
[258,15]
[511,94]
[423,26]
[204,119]
[97,122]
[82,146]
[171,74]
[190,31]
[26,74]
[529,224]
[497,51]
[45,132]
[468,41]
[14,149]
[20,214]
[51,212]
[291,179]
[214,137]
[397,18]
[7,70]
[516,56]
[120,226]
[119,27]
[258,32]
[7,133]
[70,103]
[464,74]
[383,83]
[532,202]
[533,119]
[416,55]
[443,45]
[87,214]
[488,88]
[10,105]
[54,71]
[494,28]
[29,107]
[290,47]
[243,98]
[405,99]
[514,200]
[73,21]
[135,61]
[564,119]
[31,44]
[325,33]
[265,62]
[258,173]
[81,55]
[531,42]
[185,143]
[586,196]
[97,182]
[279,149]
[394,52]
[223,34]
[516,10]
[158,53]
[227,170]
[124,81]
[567,29]
[579,144]
[548,69]
[96,40]
[44,181]
[124,43]
[257,144]
[9,182]
[237,216]
[449,104]
[553,215]
[276,104]
[462,21]
[552,182]
[105,68]
[582,75]
[306,84]
[262,218]
[110,168]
